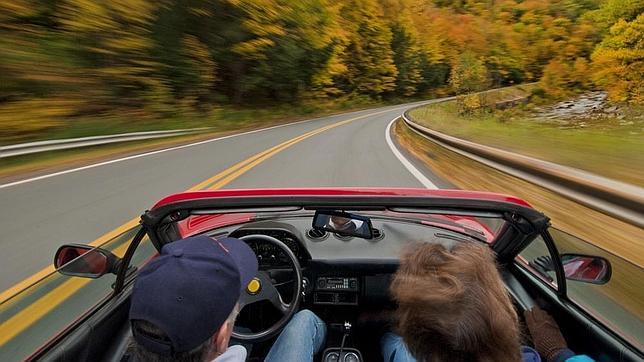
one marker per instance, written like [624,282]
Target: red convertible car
[80,312]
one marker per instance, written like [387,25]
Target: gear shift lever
[335,354]
[347,332]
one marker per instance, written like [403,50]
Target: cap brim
[244,257]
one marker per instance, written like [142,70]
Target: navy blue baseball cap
[189,291]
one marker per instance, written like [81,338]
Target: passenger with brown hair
[453,306]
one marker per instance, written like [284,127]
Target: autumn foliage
[145,59]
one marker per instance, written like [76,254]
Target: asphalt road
[39,215]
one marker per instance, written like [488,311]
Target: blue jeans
[300,340]
[393,349]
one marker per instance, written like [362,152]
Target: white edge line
[37,178]
[411,168]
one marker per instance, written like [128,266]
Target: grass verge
[608,147]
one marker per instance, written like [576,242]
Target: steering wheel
[263,289]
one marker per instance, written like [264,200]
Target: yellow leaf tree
[618,61]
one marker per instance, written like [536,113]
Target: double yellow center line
[41,307]
[225,177]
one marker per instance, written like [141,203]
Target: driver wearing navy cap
[185,301]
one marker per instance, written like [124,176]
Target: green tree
[407,57]
[368,55]
[186,60]
[114,43]
[305,54]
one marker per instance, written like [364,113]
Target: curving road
[78,206]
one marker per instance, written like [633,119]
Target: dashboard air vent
[343,237]
[316,234]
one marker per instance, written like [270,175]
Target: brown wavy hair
[453,306]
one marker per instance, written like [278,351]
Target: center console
[340,291]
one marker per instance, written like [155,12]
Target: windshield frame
[523,223]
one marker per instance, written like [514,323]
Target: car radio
[336,290]
[337,284]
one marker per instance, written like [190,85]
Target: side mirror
[85,261]
[586,268]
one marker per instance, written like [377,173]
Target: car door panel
[583,334]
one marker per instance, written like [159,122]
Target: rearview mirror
[343,223]
[586,268]
[85,261]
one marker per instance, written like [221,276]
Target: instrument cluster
[269,255]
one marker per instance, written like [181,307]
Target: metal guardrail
[63,144]
[621,200]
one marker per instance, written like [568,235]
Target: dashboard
[338,270]
[310,244]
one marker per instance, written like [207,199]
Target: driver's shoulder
[234,353]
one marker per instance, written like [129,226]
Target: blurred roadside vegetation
[80,67]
